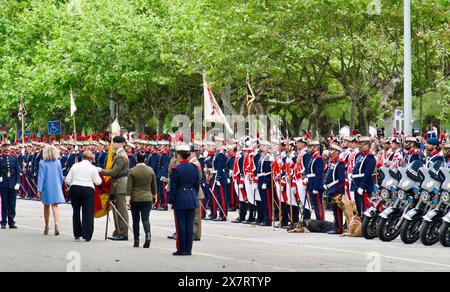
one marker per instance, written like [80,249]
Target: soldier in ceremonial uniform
[220,179]
[314,175]
[433,150]
[334,185]
[303,159]
[413,151]
[184,186]
[264,175]
[362,175]
[9,185]
[162,175]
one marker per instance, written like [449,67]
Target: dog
[352,219]
[311,226]
[298,227]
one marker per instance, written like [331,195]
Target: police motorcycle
[444,231]
[406,197]
[432,221]
[429,197]
[388,179]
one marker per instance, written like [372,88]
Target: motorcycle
[432,221]
[429,197]
[444,232]
[389,179]
[406,196]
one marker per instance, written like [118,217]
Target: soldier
[238,175]
[396,157]
[184,186]
[447,154]
[198,212]
[314,175]
[220,179]
[119,175]
[264,175]
[362,175]
[162,175]
[433,150]
[413,151]
[231,192]
[9,185]
[280,185]
[334,184]
[303,159]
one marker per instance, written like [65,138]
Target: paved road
[224,247]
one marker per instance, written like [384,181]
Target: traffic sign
[54,128]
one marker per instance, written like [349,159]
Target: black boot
[136,243]
[148,239]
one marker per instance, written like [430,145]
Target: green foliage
[315,62]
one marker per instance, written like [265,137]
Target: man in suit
[183,196]
[119,176]
[9,185]
[141,187]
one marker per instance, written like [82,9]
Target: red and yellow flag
[102,192]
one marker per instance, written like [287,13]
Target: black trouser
[285,212]
[8,206]
[243,207]
[141,211]
[82,198]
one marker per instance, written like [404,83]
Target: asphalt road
[224,247]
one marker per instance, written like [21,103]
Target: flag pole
[73,114]
[22,114]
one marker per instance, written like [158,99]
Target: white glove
[1,179]
[241,186]
[315,192]
[360,191]
[218,183]
[228,180]
[99,169]
[264,186]
[17,187]
[305,181]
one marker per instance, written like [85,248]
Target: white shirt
[83,174]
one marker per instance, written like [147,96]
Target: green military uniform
[119,177]
[201,196]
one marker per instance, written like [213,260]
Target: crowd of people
[266,182]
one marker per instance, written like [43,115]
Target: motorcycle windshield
[428,183]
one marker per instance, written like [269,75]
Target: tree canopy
[317,63]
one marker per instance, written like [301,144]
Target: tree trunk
[353,109]
[363,125]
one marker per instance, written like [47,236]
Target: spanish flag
[101,195]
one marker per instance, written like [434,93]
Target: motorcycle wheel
[444,234]
[410,231]
[369,227]
[386,228]
[429,232]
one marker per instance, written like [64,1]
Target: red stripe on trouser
[339,218]
[202,207]
[176,228]
[23,186]
[232,195]
[165,194]
[224,207]
[244,195]
[319,202]
[347,191]
[286,201]
[214,203]
[269,205]
[366,201]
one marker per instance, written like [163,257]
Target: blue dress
[50,182]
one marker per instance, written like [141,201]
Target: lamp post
[407,94]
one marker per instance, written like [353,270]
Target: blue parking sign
[54,128]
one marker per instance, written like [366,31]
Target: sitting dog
[351,216]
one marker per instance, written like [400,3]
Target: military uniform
[9,185]
[183,196]
[314,174]
[363,180]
